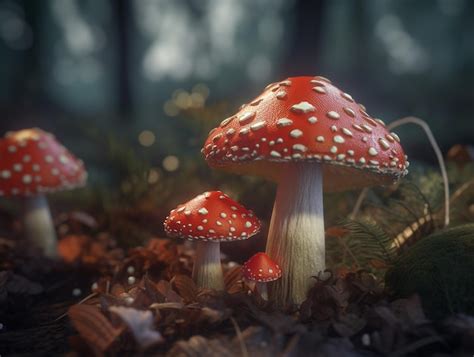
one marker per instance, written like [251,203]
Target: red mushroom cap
[33,162]
[307,119]
[212,216]
[261,268]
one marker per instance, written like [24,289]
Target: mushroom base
[261,288]
[296,234]
[207,270]
[38,225]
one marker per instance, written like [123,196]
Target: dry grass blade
[243,347]
[93,326]
[185,287]
[167,305]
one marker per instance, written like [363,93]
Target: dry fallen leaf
[185,287]
[93,326]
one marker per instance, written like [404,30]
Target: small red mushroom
[32,164]
[211,218]
[307,135]
[261,269]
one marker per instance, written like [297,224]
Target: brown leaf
[93,326]
[185,287]
[71,247]
[164,288]
[232,278]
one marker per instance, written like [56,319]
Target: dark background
[155,75]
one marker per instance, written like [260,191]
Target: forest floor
[100,300]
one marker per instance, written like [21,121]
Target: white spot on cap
[300,147]
[362,160]
[225,122]
[296,133]
[6,174]
[284,122]
[303,107]
[27,179]
[12,148]
[373,151]
[200,228]
[347,96]
[319,89]
[203,211]
[384,144]
[338,139]
[347,132]
[395,136]
[367,128]
[334,128]
[312,120]
[350,152]
[248,224]
[230,132]
[223,215]
[320,139]
[17,167]
[349,112]
[281,94]
[333,115]
[333,149]
[257,126]
[246,117]
[49,159]
[244,131]
[275,153]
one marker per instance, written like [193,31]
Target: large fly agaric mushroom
[211,218]
[261,269]
[307,135]
[33,163]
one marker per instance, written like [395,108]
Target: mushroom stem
[207,270]
[38,225]
[261,288]
[296,234]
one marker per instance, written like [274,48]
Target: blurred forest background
[132,87]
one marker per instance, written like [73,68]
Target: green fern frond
[367,241]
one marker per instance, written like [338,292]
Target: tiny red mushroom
[211,218]
[307,135]
[261,269]
[32,164]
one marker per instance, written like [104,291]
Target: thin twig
[238,332]
[88,297]
[358,204]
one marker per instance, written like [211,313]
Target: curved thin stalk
[421,123]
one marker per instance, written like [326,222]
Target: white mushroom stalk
[207,270]
[261,288]
[296,233]
[38,225]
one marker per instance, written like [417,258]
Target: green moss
[440,268]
